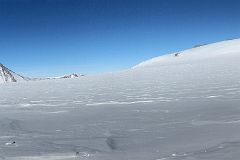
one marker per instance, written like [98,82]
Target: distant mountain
[6,75]
[73,75]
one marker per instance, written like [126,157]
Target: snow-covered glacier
[180,106]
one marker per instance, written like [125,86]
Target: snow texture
[183,107]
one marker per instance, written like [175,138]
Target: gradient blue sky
[57,37]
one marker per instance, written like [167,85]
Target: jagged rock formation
[6,75]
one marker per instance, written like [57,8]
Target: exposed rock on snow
[6,75]
[74,75]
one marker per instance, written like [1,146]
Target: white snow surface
[168,108]
[201,53]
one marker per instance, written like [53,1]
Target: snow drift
[200,53]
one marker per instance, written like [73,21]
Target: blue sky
[56,37]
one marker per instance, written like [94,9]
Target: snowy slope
[206,52]
[168,108]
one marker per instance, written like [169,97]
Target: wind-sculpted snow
[187,110]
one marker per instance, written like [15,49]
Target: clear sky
[57,37]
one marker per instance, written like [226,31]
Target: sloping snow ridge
[200,53]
